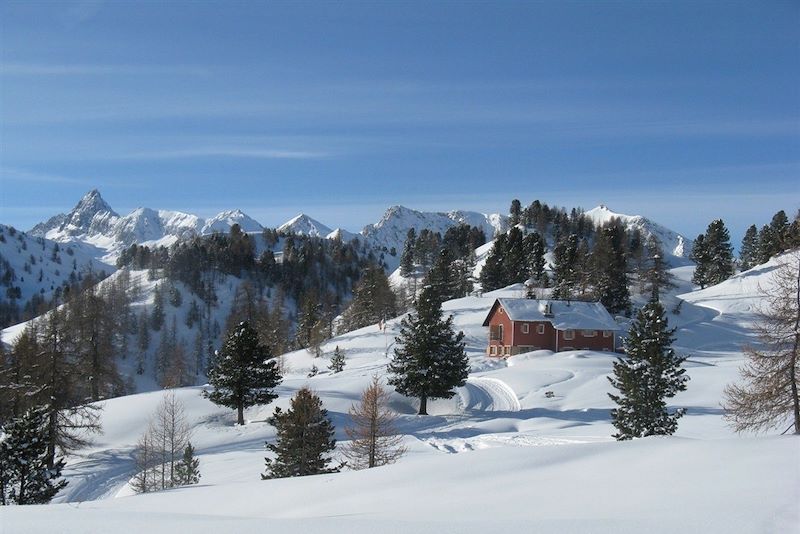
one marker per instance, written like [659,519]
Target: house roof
[566,315]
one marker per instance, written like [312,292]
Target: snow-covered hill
[524,445]
[32,265]
[678,247]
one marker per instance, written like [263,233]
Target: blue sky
[680,111]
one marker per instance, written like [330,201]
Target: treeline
[758,246]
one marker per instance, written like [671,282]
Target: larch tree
[648,375]
[244,372]
[374,439]
[429,361]
[767,396]
[304,439]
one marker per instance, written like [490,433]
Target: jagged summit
[304,225]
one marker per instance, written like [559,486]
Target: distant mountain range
[96,226]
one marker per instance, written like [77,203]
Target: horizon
[679,112]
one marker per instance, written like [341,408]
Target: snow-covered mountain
[93,222]
[672,242]
[32,265]
[391,230]
[304,225]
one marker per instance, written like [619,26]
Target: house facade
[522,325]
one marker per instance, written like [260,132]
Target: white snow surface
[524,446]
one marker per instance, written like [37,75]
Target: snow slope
[302,224]
[524,446]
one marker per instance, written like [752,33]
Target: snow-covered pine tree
[429,361]
[244,372]
[646,376]
[304,439]
[337,360]
[187,470]
[28,474]
[656,275]
[407,256]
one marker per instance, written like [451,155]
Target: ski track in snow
[488,394]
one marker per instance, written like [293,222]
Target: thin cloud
[230,152]
[22,175]
[50,69]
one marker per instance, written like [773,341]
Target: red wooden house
[523,325]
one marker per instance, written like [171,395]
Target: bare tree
[768,394]
[374,439]
[161,447]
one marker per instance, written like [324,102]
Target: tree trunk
[423,405]
[240,413]
[793,360]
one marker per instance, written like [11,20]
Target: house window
[588,333]
[525,328]
[506,350]
[569,334]
[496,332]
[540,328]
[606,333]
[493,350]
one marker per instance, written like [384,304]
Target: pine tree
[429,361]
[720,252]
[656,276]
[373,301]
[187,471]
[536,248]
[565,261]
[748,253]
[700,257]
[407,256]
[515,262]
[374,439]
[28,473]
[514,213]
[493,274]
[304,439]
[244,372]
[441,278]
[646,376]
[337,360]
[609,269]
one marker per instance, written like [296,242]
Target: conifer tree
[565,261]
[28,474]
[244,372]
[429,361]
[304,439]
[337,360]
[407,256]
[515,261]
[374,439]
[609,269]
[373,301]
[700,257]
[536,248]
[441,277]
[767,396]
[748,253]
[648,375]
[493,274]
[719,251]
[187,471]
[514,213]
[157,313]
[656,276]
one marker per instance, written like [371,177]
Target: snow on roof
[564,314]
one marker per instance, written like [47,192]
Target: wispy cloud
[26,176]
[230,152]
[74,69]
